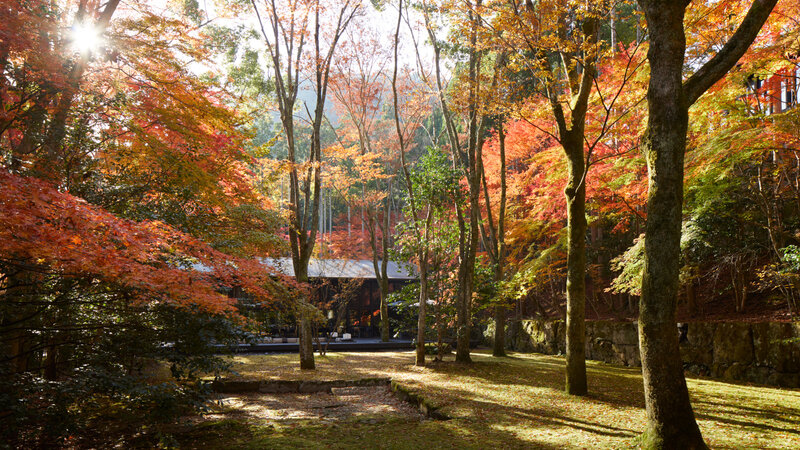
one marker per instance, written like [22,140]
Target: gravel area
[372,404]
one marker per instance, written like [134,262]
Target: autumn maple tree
[561,66]
[124,178]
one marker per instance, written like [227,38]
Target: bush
[108,387]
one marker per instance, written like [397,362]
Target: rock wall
[764,353]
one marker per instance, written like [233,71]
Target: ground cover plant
[514,402]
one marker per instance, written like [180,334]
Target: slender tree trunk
[423,303]
[499,347]
[420,235]
[305,213]
[571,137]
[305,343]
[575,193]
[387,222]
[464,307]
[439,330]
[384,311]
[380,268]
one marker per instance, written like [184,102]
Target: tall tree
[470,105]
[578,84]
[670,419]
[420,222]
[359,84]
[289,27]
[558,45]
[494,238]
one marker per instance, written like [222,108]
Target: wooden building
[774,93]
[361,315]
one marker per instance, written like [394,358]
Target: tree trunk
[571,137]
[439,331]
[380,269]
[306,212]
[384,282]
[499,347]
[385,332]
[670,419]
[671,422]
[423,302]
[304,338]
[575,193]
[306,343]
[466,279]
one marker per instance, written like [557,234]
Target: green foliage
[630,265]
[435,181]
[436,190]
[432,348]
[112,379]
[791,257]
[486,288]
[535,274]
[403,309]
[243,65]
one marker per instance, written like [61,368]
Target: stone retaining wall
[764,353]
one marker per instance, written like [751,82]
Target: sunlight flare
[86,38]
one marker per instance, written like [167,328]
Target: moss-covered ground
[514,402]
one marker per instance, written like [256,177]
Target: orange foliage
[43,229]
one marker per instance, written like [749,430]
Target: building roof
[342,268]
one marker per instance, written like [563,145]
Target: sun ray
[85,38]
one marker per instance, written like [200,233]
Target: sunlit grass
[515,402]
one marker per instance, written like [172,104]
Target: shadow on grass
[749,424]
[530,414]
[621,386]
[392,434]
[787,419]
[518,402]
[545,417]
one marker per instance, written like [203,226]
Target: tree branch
[713,70]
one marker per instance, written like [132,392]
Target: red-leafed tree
[559,46]
[124,175]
